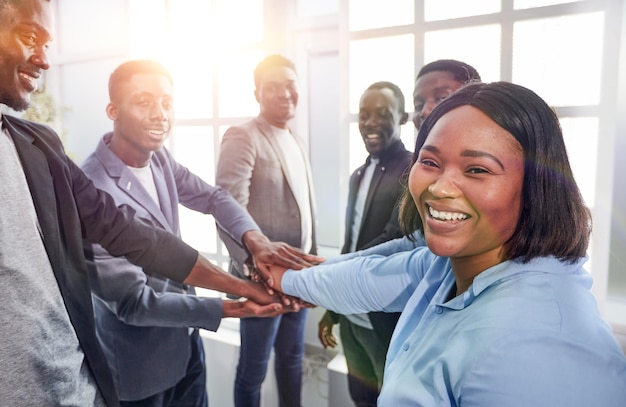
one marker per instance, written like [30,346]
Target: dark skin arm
[248,308]
[267,253]
[207,275]
[267,256]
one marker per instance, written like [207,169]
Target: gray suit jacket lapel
[129,184]
[267,132]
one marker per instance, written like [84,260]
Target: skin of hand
[248,308]
[207,275]
[325,331]
[287,300]
[274,276]
[266,253]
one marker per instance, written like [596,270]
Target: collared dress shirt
[521,335]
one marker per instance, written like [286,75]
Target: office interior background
[572,53]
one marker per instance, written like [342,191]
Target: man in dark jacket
[372,218]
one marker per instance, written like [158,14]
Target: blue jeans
[285,334]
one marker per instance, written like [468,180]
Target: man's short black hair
[125,71]
[394,88]
[271,62]
[461,71]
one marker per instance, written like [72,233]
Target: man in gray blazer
[265,167]
[144,322]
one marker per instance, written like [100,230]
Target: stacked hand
[268,280]
[267,254]
[273,259]
[272,277]
[266,302]
[248,308]
[263,299]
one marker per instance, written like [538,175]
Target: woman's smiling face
[467,186]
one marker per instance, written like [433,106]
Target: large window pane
[408,134]
[381,59]
[478,46]
[193,147]
[523,4]
[560,58]
[238,22]
[198,230]
[448,9]
[236,84]
[84,87]
[78,35]
[147,33]
[368,14]
[313,8]
[358,153]
[191,56]
[581,141]
[194,92]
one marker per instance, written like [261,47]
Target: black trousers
[365,356]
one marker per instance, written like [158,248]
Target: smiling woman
[553,219]
[497,310]
[467,189]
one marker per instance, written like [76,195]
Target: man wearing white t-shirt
[265,167]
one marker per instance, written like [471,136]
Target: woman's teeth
[441,215]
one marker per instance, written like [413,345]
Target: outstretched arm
[356,286]
[125,290]
[249,308]
[388,248]
[207,275]
[266,253]
[155,250]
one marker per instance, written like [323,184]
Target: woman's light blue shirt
[521,335]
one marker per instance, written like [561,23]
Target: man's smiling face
[24,39]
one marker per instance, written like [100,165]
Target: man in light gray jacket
[266,168]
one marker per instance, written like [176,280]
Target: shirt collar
[510,269]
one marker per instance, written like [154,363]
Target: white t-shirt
[297,172]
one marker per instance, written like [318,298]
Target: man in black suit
[48,348]
[372,218]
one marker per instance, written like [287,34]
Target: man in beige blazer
[266,169]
